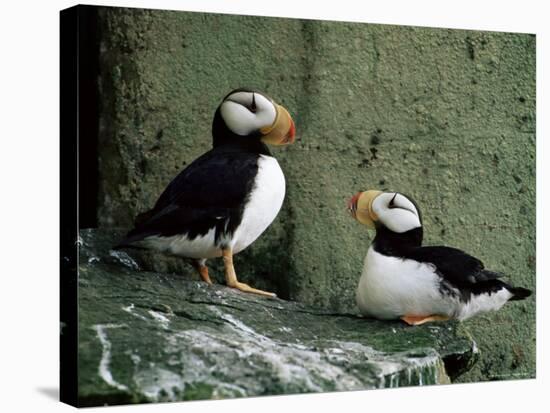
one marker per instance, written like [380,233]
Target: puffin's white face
[391,209]
[396,212]
[246,113]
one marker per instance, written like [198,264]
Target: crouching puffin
[402,279]
[225,199]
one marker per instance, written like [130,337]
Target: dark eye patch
[253,107]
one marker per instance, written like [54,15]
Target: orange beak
[282,132]
[360,207]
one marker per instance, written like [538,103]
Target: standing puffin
[402,279]
[225,199]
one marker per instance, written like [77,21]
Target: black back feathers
[210,193]
[458,270]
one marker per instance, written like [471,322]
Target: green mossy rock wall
[446,116]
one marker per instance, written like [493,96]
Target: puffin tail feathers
[519,293]
[139,232]
[125,243]
[130,240]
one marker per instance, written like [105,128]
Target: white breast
[391,287]
[202,246]
[264,203]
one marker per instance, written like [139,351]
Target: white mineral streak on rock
[93,259]
[293,364]
[103,369]
[210,357]
[399,365]
[297,362]
[135,359]
[130,310]
[124,259]
[159,384]
[161,318]
[391,366]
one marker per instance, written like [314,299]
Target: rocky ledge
[147,336]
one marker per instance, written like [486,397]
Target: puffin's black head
[247,115]
[392,210]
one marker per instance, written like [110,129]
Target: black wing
[210,193]
[458,269]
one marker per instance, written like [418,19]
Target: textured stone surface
[146,336]
[447,116]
